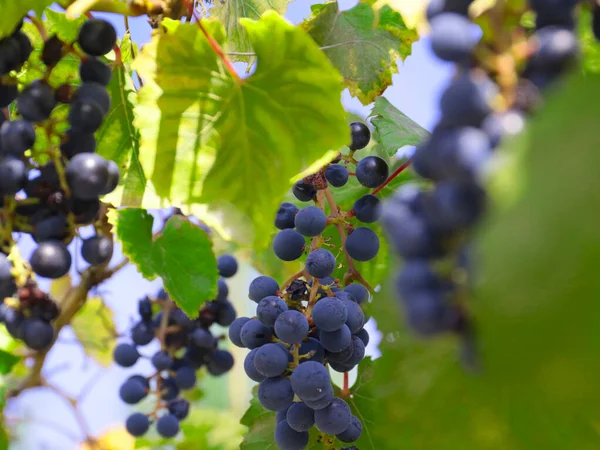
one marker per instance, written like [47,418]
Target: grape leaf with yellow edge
[361,44]
[207,137]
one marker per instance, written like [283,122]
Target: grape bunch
[187,345]
[430,227]
[311,324]
[50,201]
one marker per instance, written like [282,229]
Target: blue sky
[415,91]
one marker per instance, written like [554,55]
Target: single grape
[145,308]
[329,314]
[362,244]
[372,171]
[363,335]
[125,355]
[8,93]
[358,291]
[37,334]
[285,216]
[180,408]
[93,93]
[300,417]
[133,391]
[310,221]
[227,266]
[352,433]
[51,260]
[167,426]
[367,208]
[360,135]
[305,192]
[162,360]
[269,308]
[52,52]
[185,378]
[142,333]
[254,334]
[222,290]
[226,313]
[452,37]
[95,71]
[291,327]
[310,381]
[36,101]
[85,117]
[202,338]
[97,250]
[314,347]
[320,263]
[262,287]
[87,175]
[113,178]
[16,136]
[250,368]
[97,37]
[271,360]
[356,316]
[288,245]
[336,341]
[288,439]
[336,175]
[235,329]
[275,393]
[75,142]
[467,101]
[52,228]
[137,424]
[13,175]
[334,419]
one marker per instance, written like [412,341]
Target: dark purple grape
[271,360]
[336,341]
[37,334]
[97,250]
[13,175]
[75,143]
[358,292]
[262,287]
[360,135]
[362,244]
[334,419]
[85,117]
[320,263]
[97,37]
[269,308]
[185,378]
[227,266]
[254,334]
[113,178]
[275,393]
[142,333]
[87,175]
[372,171]
[288,245]
[162,360]
[310,381]
[180,408]
[167,426]
[285,216]
[367,208]
[452,37]
[36,102]
[235,329]
[137,424]
[288,439]
[310,221]
[336,175]
[8,93]
[352,433]
[16,136]
[95,71]
[305,192]
[300,417]
[51,260]
[250,368]
[125,355]
[330,314]
[291,327]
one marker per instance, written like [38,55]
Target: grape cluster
[311,323]
[50,201]
[429,227]
[187,345]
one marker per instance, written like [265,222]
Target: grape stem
[345,389]
[39,25]
[353,273]
[214,44]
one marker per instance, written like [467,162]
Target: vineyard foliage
[227,144]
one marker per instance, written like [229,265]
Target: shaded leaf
[253,135]
[134,231]
[118,139]
[229,14]
[362,46]
[394,128]
[7,361]
[181,254]
[13,11]
[535,308]
[95,329]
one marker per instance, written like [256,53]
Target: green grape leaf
[65,28]
[394,128]
[261,429]
[181,254]
[362,45]
[95,328]
[13,11]
[207,137]
[534,305]
[230,13]
[134,230]
[7,361]
[589,44]
[118,139]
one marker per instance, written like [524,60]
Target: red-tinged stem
[398,171]
[346,388]
[118,56]
[214,44]
[39,25]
